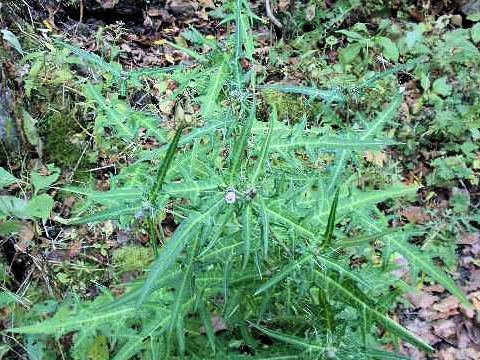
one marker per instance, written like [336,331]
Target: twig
[271,16]
[81,12]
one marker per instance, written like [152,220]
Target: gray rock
[470,7]
[8,131]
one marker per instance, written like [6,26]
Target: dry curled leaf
[415,214]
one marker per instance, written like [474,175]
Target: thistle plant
[265,230]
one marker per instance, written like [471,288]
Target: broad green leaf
[42,182]
[6,178]
[11,206]
[441,87]
[475,33]
[39,206]
[351,34]
[9,226]
[30,128]
[12,39]
[348,54]
[390,51]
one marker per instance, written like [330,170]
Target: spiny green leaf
[214,88]
[61,324]
[112,213]
[420,261]
[289,339]
[181,289]
[94,59]
[331,222]
[171,251]
[110,196]
[118,120]
[285,219]
[247,234]
[265,147]
[239,152]
[162,170]
[342,292]
[383,117]
[329,143]
[294,265]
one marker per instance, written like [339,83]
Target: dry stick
[270,14]
[81,12]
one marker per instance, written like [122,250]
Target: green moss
[63,142]
[291,107]
[130,258]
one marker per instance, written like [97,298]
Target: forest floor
[319,42]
